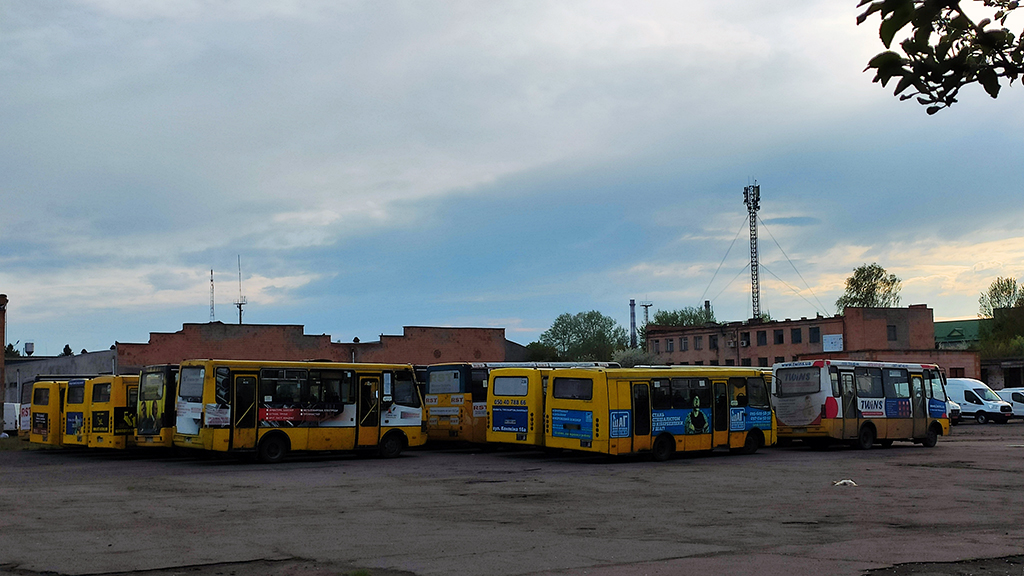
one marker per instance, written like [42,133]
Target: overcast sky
[382,164]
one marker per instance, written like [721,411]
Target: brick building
[878,334]
[417,345]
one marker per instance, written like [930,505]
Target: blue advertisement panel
[746,418]
[73,424]
[936,408]
[572,424]
[621,424]
[510,419]
[682,421]
[897,407]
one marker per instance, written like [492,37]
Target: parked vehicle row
[267,409]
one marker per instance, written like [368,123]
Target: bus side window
[223,385]
[738,387]
[869,382]
[757,392]
[835,381]
[661,395]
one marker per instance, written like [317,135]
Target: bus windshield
[192,383]
[798,381]
[511,386]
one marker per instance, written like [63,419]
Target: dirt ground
[957,508]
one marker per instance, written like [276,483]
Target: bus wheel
[273,448]
[391,445]
[753,442]
[664,448]
[930,438]
[981,417]
[866,438]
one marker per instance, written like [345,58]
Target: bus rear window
[41,396]
[573,388]
[76,393]
[191,384]
[101,393]
[151,387]
[511,385]
[797,381]
[443,382]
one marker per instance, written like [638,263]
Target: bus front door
[920,408]
[243,412]
[369,412]
[848,391]
[720,415]
[641,416]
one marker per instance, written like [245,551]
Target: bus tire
[273,448]
[664,447]
[930,437]
[753,442]
[391,445]
[981,418]
[866,438]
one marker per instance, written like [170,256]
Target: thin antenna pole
[212,315]
[241,299]
[752,198]
[632,323]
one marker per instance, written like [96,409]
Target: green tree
[631,357]
[586,336]
[11,352]
[1002,293]
[539,352]
[870,287]
[689,316]
[945,48]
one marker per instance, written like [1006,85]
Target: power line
[823,309]
[795,291]
[742,224]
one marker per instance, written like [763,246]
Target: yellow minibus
[158,386]
[269,408]
[659,410]
[46,412]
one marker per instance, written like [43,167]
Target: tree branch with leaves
[945,50]
[871,286]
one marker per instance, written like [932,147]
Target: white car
[1015,396]
[953,412]
[977,400]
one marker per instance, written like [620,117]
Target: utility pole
[632,323]
[212,316]
[752,198]
[241,299]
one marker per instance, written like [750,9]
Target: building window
[779,339]
[669,344]
[657,346]
[744,338]
[714,363]
[780,359]
[698,363]
[698,342]
[730,362]
[762,338]
[713,342]
[745,362]
[684,344]
[814,334]
[796,335]
[762,362]
[796,358]
[957,373]
[890,332]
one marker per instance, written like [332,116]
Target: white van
[977,400]
[1015,396]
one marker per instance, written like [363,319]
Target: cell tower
[241,299]
[212,316]
[647,305]
[752,198]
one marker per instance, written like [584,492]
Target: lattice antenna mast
[241,299]
[752,198]
[212,315]
[647,305]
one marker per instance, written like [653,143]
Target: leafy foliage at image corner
[1002,293]
[946,50]
[871,286]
